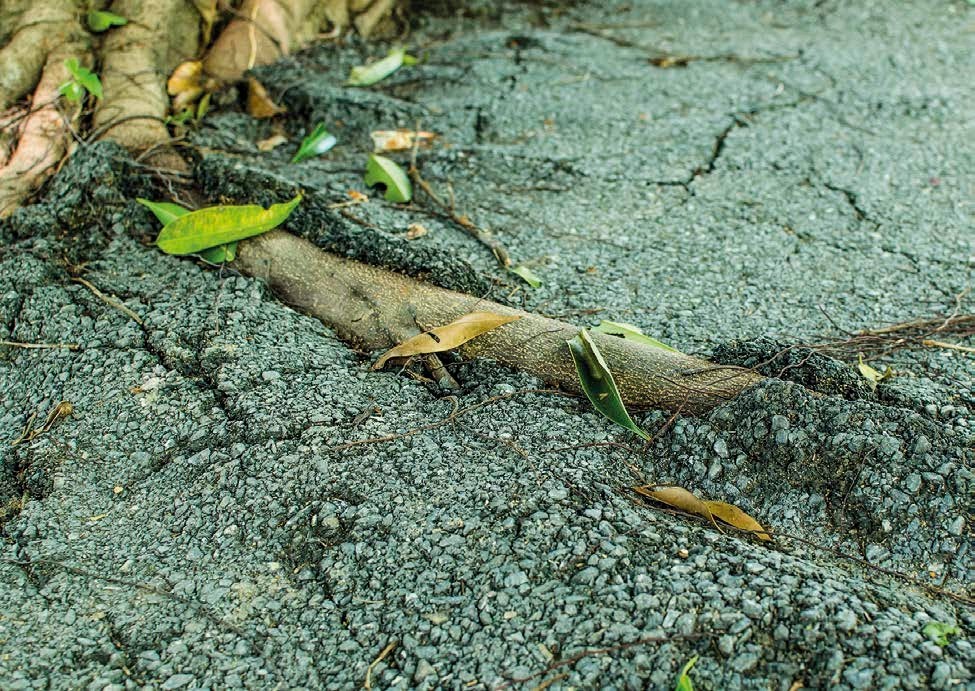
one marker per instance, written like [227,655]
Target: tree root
[375,309]
[44,133]
[134,62]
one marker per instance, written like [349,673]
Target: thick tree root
[44,42]
[135,62]
[374,309]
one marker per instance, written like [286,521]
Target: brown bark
[375,309]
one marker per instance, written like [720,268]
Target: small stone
[177,681]
[956,526]
[513,580]
[270,375]
[846,620]
[423,670]
[721,448]
[912,483]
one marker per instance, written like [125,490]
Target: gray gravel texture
[200,521]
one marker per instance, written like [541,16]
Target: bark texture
[373,308]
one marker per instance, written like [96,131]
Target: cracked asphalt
[236,500]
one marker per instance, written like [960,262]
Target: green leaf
[380,169]
[99,21]
[684,682]
[631,333]
[84,77]
[167,212]
[365,75]
[72,91]
[218,225]
[316,143]
[221,254]
[203,107]
[939,631]
[597,382]
[526,274]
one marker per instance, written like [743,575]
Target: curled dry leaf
[185,84]
[447,337]
[271,143]
[400,140]
[683,500]
[259,104]
[416,230]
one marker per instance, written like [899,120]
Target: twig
[37,346]
[949,346]
[485,237]
[115,304]
[386,651]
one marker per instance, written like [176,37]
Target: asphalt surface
[200,520]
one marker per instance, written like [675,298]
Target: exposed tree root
[373,308]
[136,60]
[133,63]
[44,134]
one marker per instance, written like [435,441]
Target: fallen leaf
[872,376]
[219,225]
[684,682]
[526,274]
[185,84]
[208,13]
[631,333]
[683,500]
[416,230]
[167,212]
[100,20]
[939,631]
[316,143]
[357,196]
[598,384]
[400,140]
[272,142]
[259,104]
[381,170]
[366,75]
[94,519]
[447,337]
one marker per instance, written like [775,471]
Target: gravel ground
[201,519]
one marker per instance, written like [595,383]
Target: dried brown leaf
[447,337]
[272,142]
[416,230]
[733,516]
[259,104]
[401,139]
[683,500]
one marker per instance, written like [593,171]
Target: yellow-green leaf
[598,384]
[939,631]
[684,682]
[218,225]
[526,274]
[447,337]
[167,212]
[100,20]
[631,333]
[872,376]
[381,170]
[365,75]
[684,500]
